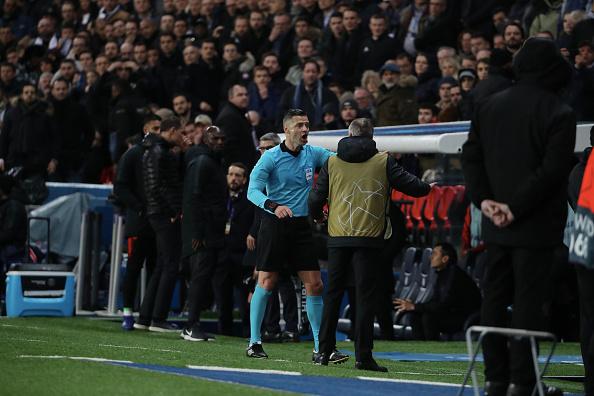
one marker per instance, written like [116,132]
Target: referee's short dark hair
[293,113]
[361,127]
[448,250]
[168,123]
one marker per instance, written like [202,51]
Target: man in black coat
[129,190]
[162,181]
[13,227]
[356,184]
[516,164]
[240,143]
[231,271]
[203,225]
[28,139]
[72,122]
[455,297]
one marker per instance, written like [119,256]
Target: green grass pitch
[88,337]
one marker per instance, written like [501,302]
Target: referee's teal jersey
[286,178]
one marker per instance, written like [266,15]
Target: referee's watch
[270,205]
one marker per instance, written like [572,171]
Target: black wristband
[270,205]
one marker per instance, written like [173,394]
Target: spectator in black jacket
[441,27]
[240,144]
[346,58]
[454,299]
[310,95]
[524,202]
[28,140]
[379,47]
[13,227]
[203,225]
[129,190]
[72,122]
[162,181]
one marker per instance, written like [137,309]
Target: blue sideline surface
[308,384]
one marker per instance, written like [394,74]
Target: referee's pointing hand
[283,211]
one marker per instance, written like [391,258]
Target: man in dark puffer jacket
[163,187]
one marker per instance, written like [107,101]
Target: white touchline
[21,327]
[407,381]
[242,370]
[23,339]
[84,358]
[435,374]
[141,348]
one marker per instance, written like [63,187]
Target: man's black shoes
[495,388]
[336,357]
[256,351]
[370,365]
[522,390]
[195,334]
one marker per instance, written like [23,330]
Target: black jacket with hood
[520,150]
[358,149]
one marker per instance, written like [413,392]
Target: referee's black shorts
[285,244]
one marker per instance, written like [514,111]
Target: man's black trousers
[586,289]
[157,299]
[229,277]
[519,277]
[141,248]
[364,263]
[428,325]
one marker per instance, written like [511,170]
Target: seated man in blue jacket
[455,297]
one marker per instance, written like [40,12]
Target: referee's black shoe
[370,365]
[256,351]
[336,357]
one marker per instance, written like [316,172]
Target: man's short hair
[260,68]
[150,117]
[429,106]
[361,127]
[171,122]
[266,55]
[448,250]
[231,91]
[240,165]
[313,62]
[293,113]
[185,95]
[274,138]
[516,24]
[7,64]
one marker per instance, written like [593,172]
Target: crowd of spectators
[78,76]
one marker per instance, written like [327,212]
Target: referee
[285,240]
